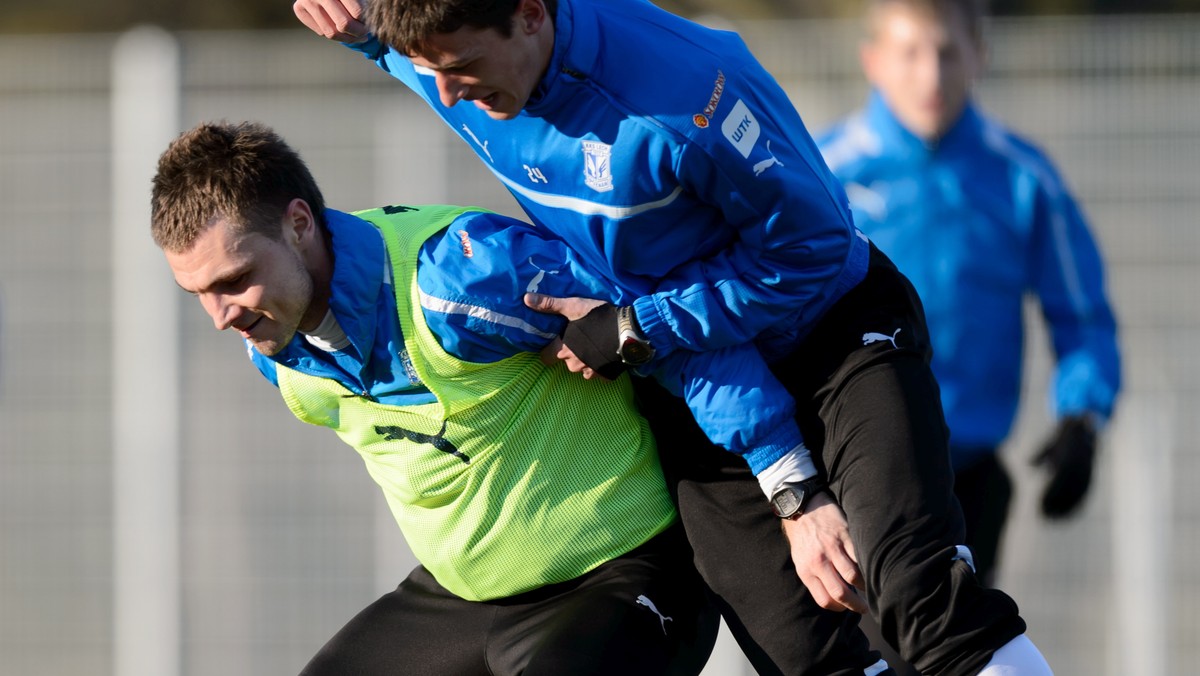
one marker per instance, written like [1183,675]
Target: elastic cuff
[764,450]
[1097,420]
[654,326]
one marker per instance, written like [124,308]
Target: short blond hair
[243,172]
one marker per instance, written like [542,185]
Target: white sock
[1018,657]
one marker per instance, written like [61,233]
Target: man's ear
[298,221]
[530,16]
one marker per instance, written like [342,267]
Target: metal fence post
[145,382]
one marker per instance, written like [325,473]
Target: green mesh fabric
[519,476]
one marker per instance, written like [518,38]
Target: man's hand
[339,20]
[571,309]
[824,556]
[1068,456]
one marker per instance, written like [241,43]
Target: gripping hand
[590,342]
[594,338]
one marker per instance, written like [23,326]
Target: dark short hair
[242,172]
[972,12]
[405,25]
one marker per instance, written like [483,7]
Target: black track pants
[871,414]
[645,613]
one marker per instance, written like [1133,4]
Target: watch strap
[632,345]
[792,499]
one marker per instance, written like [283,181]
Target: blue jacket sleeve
[472,281]
[795,237]
[737,401]
[1069,280]
[391,61]
[473,278]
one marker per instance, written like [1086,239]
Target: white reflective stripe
[964,554]
[422,70]
[1070,270]
[582,206]
[856,140]
[877,668]
[452,308]
[997,139]
[866,199]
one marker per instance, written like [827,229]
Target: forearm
[475,305]
[743,408]
[1086,383]
[1071,288]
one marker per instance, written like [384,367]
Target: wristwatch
[790,500]
[632,346]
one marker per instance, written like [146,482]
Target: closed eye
[234,282]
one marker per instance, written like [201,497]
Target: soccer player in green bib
[533,500]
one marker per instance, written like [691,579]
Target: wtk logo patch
[597,166]
[741,128]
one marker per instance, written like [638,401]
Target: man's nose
[450,89]
[222,312]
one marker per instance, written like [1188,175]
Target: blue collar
[573,56]
[359,266]
[966,130]
[359,260]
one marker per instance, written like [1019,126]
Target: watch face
[635,352]
[786,502]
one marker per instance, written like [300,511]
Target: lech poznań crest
[597,166]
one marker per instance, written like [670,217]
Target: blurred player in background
[977,217]
[674,165]
[533,499]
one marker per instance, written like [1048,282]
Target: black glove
[1068,457]
[594,338]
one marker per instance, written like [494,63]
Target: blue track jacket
[976,221]
[676,167]
[472,279]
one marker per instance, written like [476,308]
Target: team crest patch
[597,166]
